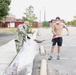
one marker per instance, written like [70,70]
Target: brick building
[11,21]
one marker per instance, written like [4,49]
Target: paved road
[6,37]
[67,64]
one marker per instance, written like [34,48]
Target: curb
[43,70]
[42,50]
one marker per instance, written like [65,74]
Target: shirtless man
[57,29]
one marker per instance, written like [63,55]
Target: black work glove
[16,40]
[28,37]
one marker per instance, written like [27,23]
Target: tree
[75,17]
[30,16]
[4,8]
[72,22]
[45,24]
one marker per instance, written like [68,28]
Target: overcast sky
[65,9]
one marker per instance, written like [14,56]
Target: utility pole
[44,14]
[40,17]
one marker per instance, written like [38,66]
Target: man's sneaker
[50,58]
[58,57]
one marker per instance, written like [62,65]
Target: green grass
[1,45]
[12,30]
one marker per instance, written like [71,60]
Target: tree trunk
[0,24]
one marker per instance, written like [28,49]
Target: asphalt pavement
[5,37]
[67,63]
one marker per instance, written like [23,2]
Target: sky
[65,9]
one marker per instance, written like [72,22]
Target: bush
[45,24]
[29,30]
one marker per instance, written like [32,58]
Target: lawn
[12,30]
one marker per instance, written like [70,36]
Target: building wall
[8,24]
[35,25]
[17,23]
[5,24]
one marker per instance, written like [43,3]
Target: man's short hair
[58,18]
[26,22]
[51,21]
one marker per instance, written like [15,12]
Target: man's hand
[16,41]
[33,32]
[56,36]
[67,34]
[28,37]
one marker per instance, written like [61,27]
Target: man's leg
[59,47]
[19,45]
[52,49]
[59,42]
[58,56]
[53,45]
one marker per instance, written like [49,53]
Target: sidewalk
[7,53]
[22,64]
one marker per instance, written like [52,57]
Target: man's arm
[53,27]
[23,31]
[66,29]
